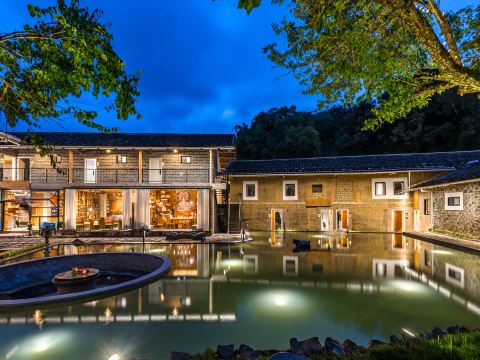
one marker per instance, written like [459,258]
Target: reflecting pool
[261,293]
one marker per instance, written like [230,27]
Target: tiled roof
[133,139]
[355,164]
[468,172]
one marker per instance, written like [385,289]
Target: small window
[290,190]
[121,159]
[380,188]
[454,275]
[426,207]
[186,159]
[453,201]
[317,188]
[57,159]
[250,190]
[399,188]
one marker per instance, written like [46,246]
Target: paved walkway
[16,241]
[469,245]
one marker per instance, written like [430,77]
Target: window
[427,259]
[290,265]
[250,264]
[399,188]
[186,159]
[454,201]
[454,275]
[380,188]
[290,190]
[317,188]
[57,159]
[121,159]
[426,206]
[250,190]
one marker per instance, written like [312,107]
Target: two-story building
[356,193]
[113,181]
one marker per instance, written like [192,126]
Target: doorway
[277,221]
[90,170]
[155,170]
[23,169]
[325,220]
[342,219]
[398,221]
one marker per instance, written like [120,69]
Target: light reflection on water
[261,293]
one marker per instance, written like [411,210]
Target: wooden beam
[70,167]
[140,166]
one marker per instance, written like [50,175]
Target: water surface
[262,293]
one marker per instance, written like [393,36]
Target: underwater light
[280,299]
[41,344]
[114,357]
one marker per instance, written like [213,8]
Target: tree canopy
[395,54]
[48,65]
[449,122]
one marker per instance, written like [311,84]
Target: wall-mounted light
[108,151]
[175,151]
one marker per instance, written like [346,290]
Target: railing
[106,176]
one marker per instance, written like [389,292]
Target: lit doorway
[325,220]
[277,221]
[342,219]
[398,228]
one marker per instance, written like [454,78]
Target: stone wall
[464,222]
[340,192]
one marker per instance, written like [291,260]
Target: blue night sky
[202,61]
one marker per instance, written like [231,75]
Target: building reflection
[207,281]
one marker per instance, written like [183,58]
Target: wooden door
[344,219]
[398,221]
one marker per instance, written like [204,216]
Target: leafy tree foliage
[449,122]
[47,66]
[350,51]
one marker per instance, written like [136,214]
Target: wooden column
[140,166]
[71,175]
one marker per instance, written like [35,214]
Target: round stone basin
[134,269]
[75,280]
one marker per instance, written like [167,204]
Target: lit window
[121,159]
[454,201]
[399,188]
[317,188]
[186,159]
[250,190]
[290,190]
[57,159]
[380,188]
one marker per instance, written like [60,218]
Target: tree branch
[446,31]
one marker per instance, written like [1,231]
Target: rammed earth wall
[464,222]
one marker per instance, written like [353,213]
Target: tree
[394,53]
[448,123]
[46,67]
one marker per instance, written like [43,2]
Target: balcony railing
[106,176]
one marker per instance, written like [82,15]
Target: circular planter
[144,268]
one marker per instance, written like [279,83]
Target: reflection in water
[262,293]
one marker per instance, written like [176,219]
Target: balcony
[169,176]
